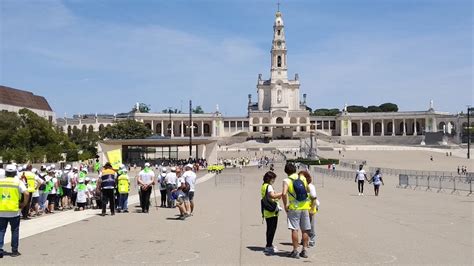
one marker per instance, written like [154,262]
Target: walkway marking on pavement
[50,222]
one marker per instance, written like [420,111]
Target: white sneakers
[361,194]
[271,250]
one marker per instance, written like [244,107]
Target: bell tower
[279,68]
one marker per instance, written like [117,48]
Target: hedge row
[321,161]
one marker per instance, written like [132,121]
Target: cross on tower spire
[278,5]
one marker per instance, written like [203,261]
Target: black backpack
[268,204]
[63,180]
[42,186]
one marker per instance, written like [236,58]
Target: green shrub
[321,161]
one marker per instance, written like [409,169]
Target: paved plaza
[399,227]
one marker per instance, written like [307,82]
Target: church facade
[279,110]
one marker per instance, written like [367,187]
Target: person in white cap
[12,191]
[190,178]
[170,186]
[146,180]
[162,181]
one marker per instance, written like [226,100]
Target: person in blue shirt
[377,181]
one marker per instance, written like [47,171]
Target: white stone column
[393,127]
[153,126]
[404,127]
[371,127]
[172,129]
[213,128]
[415,133]
[383,128]
[162,128]
[202,128]
[182,128]
[360,128]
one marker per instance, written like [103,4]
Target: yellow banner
[115,158]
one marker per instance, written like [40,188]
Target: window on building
[279,61]
[278,32]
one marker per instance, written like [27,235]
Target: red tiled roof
[11,96]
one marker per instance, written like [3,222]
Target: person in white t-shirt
[314,206]
[190,177]
[360,178]
[170,186]
[146,180]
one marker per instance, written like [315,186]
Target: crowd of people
[27,192]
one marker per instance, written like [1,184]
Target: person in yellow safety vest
[123,190]
[268,193]
[11,190]
[297,204]
[28,177]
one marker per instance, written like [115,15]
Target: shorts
[191,195]
[66,192]
[34,201]
[376,186]
[51,198]
[299,220]
[81,205]
[182,197]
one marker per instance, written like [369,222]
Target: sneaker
[294,254]
[268,250]
[362,194]
[303,254]
[312,243]
[182,218]
[275,249]
[125,211]
[15,254]
[359,193]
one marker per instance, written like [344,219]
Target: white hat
[88,179]
[122,166]
[20,169]
[75,168]
[163,174]
[164,170]
[67,167]
[49,169]
[81,180]
[189,165]
[147,164]
[34,170]
[94,179]
[53,166]
[25,166]
[173,169]
[10,168]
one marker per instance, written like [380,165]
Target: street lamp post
[469,110]
[191,127]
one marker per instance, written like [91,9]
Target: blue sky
[88,56]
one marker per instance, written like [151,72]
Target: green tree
[173,111]
[24,136]
[126,129]
[389,107]
[198,110]
[373,109]
[326,112]
[356,109]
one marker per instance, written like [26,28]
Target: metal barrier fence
[394,171]
[439,183]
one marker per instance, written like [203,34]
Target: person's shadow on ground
[261,249]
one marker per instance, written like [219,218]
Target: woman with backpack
[270,209]
[377,180]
